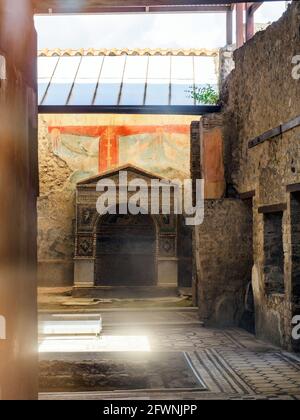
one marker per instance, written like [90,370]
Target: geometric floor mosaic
[232,364]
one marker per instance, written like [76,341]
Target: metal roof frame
[138,81]
[152,6]
[145,110]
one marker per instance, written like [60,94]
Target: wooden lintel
[274,208]
[293,188]
[247,195]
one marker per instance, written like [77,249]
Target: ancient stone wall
[56,215]
[223,247]
[18,192]
[75,147]
[259,95]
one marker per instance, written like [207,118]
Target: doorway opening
[274,254]
[295,245]
[126,245]
[248,317]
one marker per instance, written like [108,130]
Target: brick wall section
[196,168]
[259,95]
[223,245]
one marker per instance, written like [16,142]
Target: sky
[142,31]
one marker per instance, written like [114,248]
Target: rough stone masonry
[259,95]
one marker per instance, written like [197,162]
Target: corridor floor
[231,363]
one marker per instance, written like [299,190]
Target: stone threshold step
[116,310]
[154,323]
[130,292]
[130,394]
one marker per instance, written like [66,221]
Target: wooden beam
[136,9]
[249,22]
[275,132]
[247,195]
[274,208]
[229,27]
[127,6]
[240,39]
[292,188]
[268,135]
[204,8]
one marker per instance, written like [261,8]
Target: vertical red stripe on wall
[102,155]
[115,151]
[109,149]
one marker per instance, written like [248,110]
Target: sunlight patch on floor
[71,327]
[105,343]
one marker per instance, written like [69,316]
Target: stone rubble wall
[56,210]
[259,95]
[223,244]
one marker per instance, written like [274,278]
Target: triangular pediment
[115,172]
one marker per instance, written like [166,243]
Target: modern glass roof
[122,80]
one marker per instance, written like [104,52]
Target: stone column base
[84,272]
[168,272]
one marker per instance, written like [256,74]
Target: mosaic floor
[231,362]
[119,371]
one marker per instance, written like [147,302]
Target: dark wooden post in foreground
[18,195]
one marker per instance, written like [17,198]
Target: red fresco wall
[110,137]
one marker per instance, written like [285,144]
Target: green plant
[206,95]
